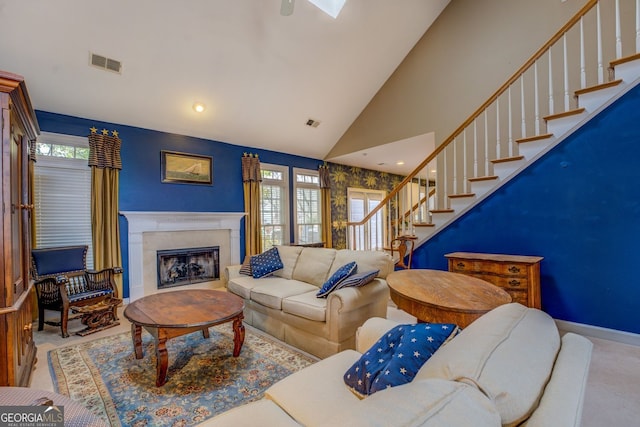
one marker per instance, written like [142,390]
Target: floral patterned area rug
[203,378]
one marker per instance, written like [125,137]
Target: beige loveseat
[285,304]
[510,367]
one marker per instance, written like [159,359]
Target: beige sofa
[285,304]
[510,367]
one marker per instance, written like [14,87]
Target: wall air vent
[313,123]
[105,63]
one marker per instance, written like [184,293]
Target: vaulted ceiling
[261,75]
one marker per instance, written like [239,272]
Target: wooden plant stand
[98,316]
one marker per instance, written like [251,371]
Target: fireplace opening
[179,267]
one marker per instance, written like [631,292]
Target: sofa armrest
[231,272]
[352,298]
[563,398]
[349,308]
[371,331]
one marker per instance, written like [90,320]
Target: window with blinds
[308,211]
[274,205]
[62,196]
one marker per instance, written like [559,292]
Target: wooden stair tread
[564,114]
[598,87]
[423,224]
[483,178]
[458,196]
[437,211]
[625,59]
[507,159]
[534,138]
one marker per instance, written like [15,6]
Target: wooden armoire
[19,131]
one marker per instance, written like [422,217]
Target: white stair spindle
[498,142]
[583,67]
[475,150]
[551,109]
[566,73]
[523,130]
[536,99]
[599,38]
[637,26]
[618,32]
[486,143]
[510,122]
[464,161]
[455,165]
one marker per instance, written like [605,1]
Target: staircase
[560,88]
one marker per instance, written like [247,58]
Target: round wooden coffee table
[444,297]
[172,314]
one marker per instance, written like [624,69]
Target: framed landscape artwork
[186,168]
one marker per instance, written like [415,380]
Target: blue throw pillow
[359,279]
[266,263]
[397,356]
[336,278]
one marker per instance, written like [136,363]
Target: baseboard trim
[599,332]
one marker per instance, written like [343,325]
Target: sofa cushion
[336,278]
[306,305]
[313,265]
[366,260]
[265,263]
[397,356]
[271,296]
[314,394]
[242,285]
[289,256]
[428,403]
[358,279]
[508,353]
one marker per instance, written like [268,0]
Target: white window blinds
[62,201]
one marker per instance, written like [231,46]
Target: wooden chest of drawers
[518,275]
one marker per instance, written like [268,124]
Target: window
[360,202]
[274,191]
[62,195]
[308,206]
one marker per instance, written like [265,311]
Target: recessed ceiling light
[399,163]
[198,107]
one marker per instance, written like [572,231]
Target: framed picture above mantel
[185,168]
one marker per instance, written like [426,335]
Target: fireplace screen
[178,267]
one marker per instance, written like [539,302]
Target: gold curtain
[105,163]
[325,197]
[251,184]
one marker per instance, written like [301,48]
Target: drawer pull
[460,265]
[514,282]
[514,269]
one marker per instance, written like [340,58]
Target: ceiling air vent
[313,123]
[105,63]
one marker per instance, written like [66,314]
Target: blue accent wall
[141,188]
[579,208]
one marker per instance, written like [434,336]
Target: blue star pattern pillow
[266,263]
[336,278]
[397,356]
[359,279]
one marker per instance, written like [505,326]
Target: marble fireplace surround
[153,231]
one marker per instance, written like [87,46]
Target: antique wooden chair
[402,246]
[63,282]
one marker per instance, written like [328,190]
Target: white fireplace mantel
[140,222]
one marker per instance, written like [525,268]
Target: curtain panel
[251,185]
[325,200]
[105,163]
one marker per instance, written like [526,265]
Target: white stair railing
[574,58]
